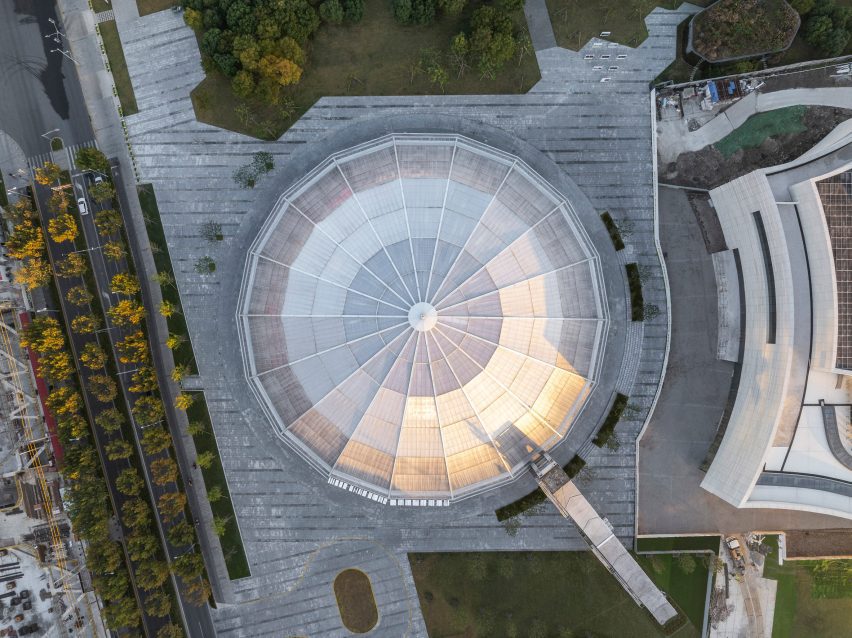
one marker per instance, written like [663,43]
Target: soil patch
[709,168]
[355,601]
[823,542]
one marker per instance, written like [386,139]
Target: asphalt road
[40,89]
[198,621]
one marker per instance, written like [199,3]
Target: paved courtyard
[298,531]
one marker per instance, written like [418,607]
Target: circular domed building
[421,315]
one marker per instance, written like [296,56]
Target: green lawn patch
[538,594]
[99,6]
[687,589]
[678,544]
[756,129]
[612,229]
[575,22]
[355,601]
[118,66]
[232,542]
[814,597]
[183,354]
[637,302]
[373,57]
[152,6]
[608,428]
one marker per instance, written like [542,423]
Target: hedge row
[611,420]
[637,301]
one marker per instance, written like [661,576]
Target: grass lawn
[115,54]
[681,543]
[575,22]
[232,542]
[355,600]
[152,6]
[373,57]
[100,5]
[497,595]
[814,597]
[760,126]
[177,322]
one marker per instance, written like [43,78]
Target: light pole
[47,134]
[65,53]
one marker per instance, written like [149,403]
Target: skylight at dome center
[420,315]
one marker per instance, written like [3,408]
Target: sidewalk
[97,83]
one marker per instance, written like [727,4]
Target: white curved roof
[420,315]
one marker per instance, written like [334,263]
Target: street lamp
[65,53]
[47,134]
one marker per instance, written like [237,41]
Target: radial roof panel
[421,315]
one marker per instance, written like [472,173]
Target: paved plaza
[590,139]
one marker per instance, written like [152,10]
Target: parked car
[81,205]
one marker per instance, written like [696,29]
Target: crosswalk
[104,16]
[70,152]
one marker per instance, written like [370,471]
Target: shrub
[414,11]
[608,428]
[637,302]
[331,11]
[521,505]
[613,231]
[733,28]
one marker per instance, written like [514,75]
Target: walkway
[832,434]
[562,492]
[538,22]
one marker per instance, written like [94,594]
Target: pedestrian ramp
[557,486]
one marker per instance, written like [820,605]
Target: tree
[262,162]
[91,159]
[205,265]
[128,482]
[148,410]
[280,71]
[118,450]
[205,459]
[43,335]
[164,471]
[164,279]
[331,11]
[158,604]
[511,6]
[245,177]
[151,574]
[181,534]
[114,250]
[215,493]
[414,11]
[183,401]
[188,566]
[827,27]
[47,174]
[63,228]
[802,6]
[220,525]
[212,231]
[196,428]
[459,54]
[59,202]
[686,563]
[175,341]
[452,7]
[108,222]
[73,265]
[133,348]
[125,284]
[170,630]
[85,324]
[198,592]
[142,545]
[33,274]
[171,505]
[56,367]
[179,372]
[135,512]
[73,426]
[144,380]
[93,356]
[156,439]
[110,420]
[127,312]
[64,400]
[79,296]
[26,240]
[353,10]
[103,387]
[102,191]
[491,39]
[243,83]
[167,308]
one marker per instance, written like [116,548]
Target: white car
[81,204]
[99,179]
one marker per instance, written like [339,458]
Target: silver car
[81,205]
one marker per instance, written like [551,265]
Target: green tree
[215,493]
[110,420]
[103,387]
[205,265]
[196,428]
[414,11]
[220,525]
[155,439]
[102,192]
[686,563]
[151,574]
[164,471]
[108,222]
[118,450]
[142,545]
[79,296]
[331,11]
[73,265]
[171,505]
[205,459]
[181,534]
[128,482]
[136,513]
[164,279]
[188,566]
[158,604]
[148,409]
[353,10]
[491,39]
[91,159]
[452,7]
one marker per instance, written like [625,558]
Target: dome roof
[420,315]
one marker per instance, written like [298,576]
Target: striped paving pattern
[297,530]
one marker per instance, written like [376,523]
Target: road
[93,406]
[41,90]
[197,618]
